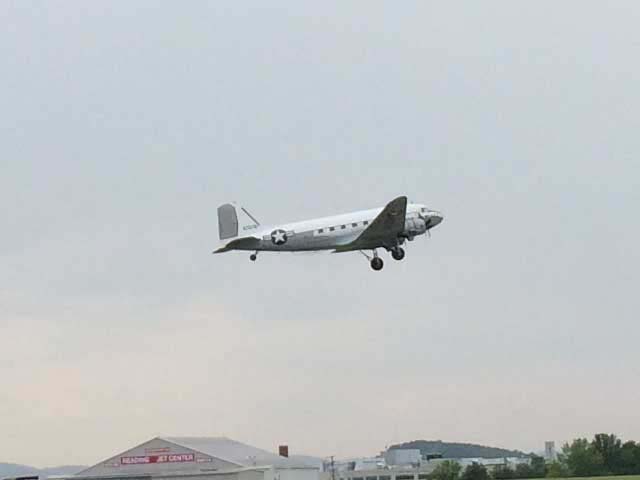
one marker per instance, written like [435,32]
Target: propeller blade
[426,221]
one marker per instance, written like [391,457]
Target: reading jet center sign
[169,458]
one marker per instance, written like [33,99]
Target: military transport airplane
[386,228]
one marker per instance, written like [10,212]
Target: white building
[198,458]
[511,462]
[550,451]
[403,456]
[357,463]
[409,473]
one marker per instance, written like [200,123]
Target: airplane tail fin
[232,219]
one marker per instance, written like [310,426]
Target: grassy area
[619,477]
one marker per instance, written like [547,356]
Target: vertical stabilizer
[227,221]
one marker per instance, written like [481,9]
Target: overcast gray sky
[123,125]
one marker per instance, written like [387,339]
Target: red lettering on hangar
[145,459]
[181,457]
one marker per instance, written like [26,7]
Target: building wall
[510,462]
[227,476]
[165,454]
[550,451]
[298,474]
[238,475]
[384,474]
[407,456]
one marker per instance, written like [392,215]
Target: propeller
[427,221]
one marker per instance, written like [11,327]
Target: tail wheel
[398,253]
[377,263]
[253,257]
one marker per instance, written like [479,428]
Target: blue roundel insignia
[279,237]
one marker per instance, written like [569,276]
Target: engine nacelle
[414,226]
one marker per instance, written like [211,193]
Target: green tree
[582,459]
[609,447]
[557,470]
[504,472]
[538,467]
[630,458]
[447,470]
[475,471]
[524,470]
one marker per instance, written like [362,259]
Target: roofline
[158,437]
[240,466]
[164,439]
[114,456]
[167,474]
[263,465]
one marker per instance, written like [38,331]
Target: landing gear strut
[397,253]
[376,262]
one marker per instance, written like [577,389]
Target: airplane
[387,228]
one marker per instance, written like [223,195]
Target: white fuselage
[331,232]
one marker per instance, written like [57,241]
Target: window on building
[404,477]
[343,227]
[385,477]
[423,476]
[357,478]
[372,478]
[366,222]
[354,225]
[321,230]
[332,229]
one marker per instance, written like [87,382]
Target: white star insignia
[279,237]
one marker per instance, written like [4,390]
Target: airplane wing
[383,230]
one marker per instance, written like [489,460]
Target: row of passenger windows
[342,227]
[355,225]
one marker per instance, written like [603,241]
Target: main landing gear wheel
[398,253]
[377,263]
[253,257]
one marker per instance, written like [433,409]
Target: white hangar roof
[236,452]
[166,456]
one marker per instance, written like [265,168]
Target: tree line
[605,454]
[452,470]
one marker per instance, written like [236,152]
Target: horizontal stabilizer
[245,243]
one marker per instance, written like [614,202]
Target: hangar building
[198,458]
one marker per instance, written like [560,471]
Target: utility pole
[333,469]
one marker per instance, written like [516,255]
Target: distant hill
[14,469]
[63,470]
[458,450]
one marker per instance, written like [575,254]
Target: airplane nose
[434,219]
